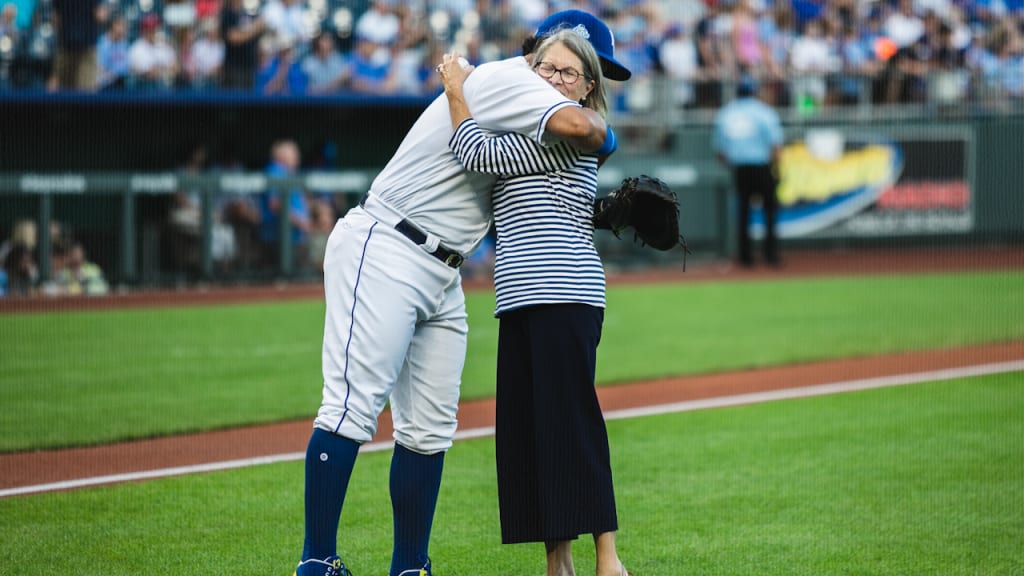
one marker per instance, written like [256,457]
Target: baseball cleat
[332,566]
[424,571]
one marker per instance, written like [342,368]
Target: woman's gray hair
[581,47]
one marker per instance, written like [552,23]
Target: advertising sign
[835,184]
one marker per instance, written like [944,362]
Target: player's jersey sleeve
[510,154]
[507,96]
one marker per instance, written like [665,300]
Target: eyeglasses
[569,76]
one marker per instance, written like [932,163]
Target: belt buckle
[454,260]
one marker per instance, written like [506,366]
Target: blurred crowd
[810,51]
[71,271]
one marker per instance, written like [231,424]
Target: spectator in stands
[285,160]
[23,232]
[812,58]
[287,19]
[77,275]
[17,256]
[858,65]
[904,26]
[185,222]
[371,73]
[23,11]
[905,75]
[112,55]
[33,55]
[207,8]
[10,41]
[9,23]
[948,80]
[184,217]
[152,61]
[807,10]
[280,72]
[380,24]
[408,56]
[745,38]
[325,69]
[430,81]
[78,24]
[1000,63]
[241,212]
[33,60]
[500,27]
[677,58]
[206,58]
[21,271]
[713,56]
[241,32]
[322,219]
[778,33]
[636,48]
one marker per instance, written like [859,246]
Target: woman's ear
[590,88]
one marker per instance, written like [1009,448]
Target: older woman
[554,470]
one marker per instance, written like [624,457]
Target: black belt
[410,231]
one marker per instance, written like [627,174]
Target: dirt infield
[44,467]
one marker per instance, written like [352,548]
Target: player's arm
[518,100]
[582,128]
[509,154]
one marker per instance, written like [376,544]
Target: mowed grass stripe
[81,378]
[686,406]
[923,479]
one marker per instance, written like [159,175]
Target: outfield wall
[104,169]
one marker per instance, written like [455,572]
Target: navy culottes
[554,470]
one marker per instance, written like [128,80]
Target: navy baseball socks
[329,462]
[415,482]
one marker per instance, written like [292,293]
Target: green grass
[922,479]
[75,378]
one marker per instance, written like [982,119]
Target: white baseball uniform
[395,324]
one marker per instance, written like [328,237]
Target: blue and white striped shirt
[543,204]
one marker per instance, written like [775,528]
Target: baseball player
[395,322]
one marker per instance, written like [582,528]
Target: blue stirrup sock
[329,462]
[415,482]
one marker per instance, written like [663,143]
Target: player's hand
[454,69]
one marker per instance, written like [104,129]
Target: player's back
[426,183]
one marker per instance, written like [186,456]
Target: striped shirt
[425,183]
[543,204]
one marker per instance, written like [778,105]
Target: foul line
[686,406]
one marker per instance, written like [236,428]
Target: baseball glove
[648,206]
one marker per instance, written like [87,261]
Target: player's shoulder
[504,63]
[500,68]
[506,77]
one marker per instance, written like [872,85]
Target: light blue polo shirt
[746,130]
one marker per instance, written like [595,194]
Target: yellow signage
[804,177]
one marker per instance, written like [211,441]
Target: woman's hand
[454,69]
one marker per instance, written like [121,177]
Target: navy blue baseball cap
[591,28]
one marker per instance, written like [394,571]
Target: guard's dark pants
[757,181]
